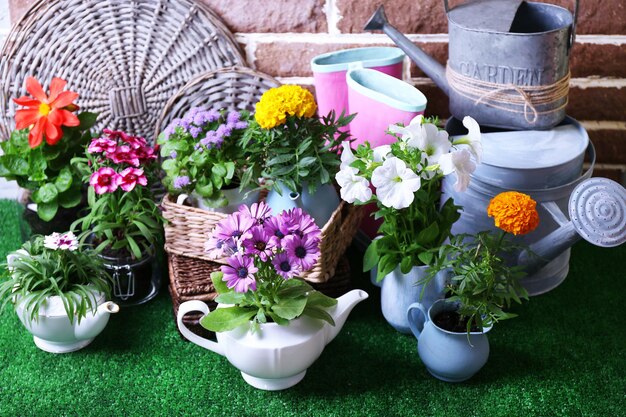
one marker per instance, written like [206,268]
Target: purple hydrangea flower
[181,182]
[285,266]
[239,273]
[258,243]
[304,251]
[241,125]
[195,131]
[223,131]
[236,226]
[233,117]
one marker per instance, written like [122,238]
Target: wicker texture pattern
[187,229]
[234,88]
[126,59]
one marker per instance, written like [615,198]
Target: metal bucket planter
[543,171]
[508,62]
[135,281]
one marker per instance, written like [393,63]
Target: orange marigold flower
[514,212]
[46,114]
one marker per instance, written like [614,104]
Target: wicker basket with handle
[126,59]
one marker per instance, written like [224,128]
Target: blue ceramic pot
[399,291]
[320,205]
[448,356]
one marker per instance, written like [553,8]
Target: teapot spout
[342,310]
[428,64]
[91,326]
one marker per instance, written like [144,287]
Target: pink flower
[236,226]
[239,273]
[145,154]
[123,154]
[104,180]
[258,211]
[259,243]
[130,177]
[102,145]
[135,142]
[303,251]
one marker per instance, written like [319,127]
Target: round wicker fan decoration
[125,58]
[227,88]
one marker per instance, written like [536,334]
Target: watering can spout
[428,64]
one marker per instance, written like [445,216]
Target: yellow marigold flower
[514,212]
[278,103]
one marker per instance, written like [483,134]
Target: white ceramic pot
[235,199]
[53,332]
[275,357]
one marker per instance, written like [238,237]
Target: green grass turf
[564,356]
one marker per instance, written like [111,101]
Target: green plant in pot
[203,161]
[38,153]
[297,151]
[59,290]
[406,177]
[452,337]
[124,223]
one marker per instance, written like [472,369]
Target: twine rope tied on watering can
[507,97]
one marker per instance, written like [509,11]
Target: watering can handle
[416,323]
[573,34]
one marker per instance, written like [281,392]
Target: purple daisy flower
[300,223]
[276,229]
[236,226]
[285,266]
[239,273]
[259,243]
[258,211]
[217,248]
[304,251]
[181,182]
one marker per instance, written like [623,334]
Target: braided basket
[125,58]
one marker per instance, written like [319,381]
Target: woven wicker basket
[126,59]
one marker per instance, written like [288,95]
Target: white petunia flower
[410,132]
[434,143]
[353,187]
[347,157]
[472,139]
[395,183]
[459,162]
[381,153]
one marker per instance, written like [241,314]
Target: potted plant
[296,150]
[37,155]
[123,223]
[270,325]
[406,177]
[59,290]
[202,159]
[452,335]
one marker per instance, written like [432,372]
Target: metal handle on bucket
[572,35]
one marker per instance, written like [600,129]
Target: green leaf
[70,198]
[306,161]
[47,211]
[134,248]
[406,265]
[37,165]
[371,257]
[280,159]
[318,313]
[87,120]
[219,170]
[47,193]
[224,319]
[425,257]
[230,169]
[428,235]
[204,190]
[297,289]
[231,297]
[289,308]
[64,180]
[169,164]
[219,283]
[304,145]
[324,176]
[15,164]
[317,299]
[277,319]
[386,265]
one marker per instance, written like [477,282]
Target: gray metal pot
[514,45]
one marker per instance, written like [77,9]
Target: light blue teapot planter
[320,205]
[399,291]
[448,356]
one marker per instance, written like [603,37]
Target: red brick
[271,16]
[597,103]
[610,145]
[427,16]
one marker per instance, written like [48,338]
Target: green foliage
[275,299]
[209,168]
[482,281]
[39,272]
[303,150]
[46,169]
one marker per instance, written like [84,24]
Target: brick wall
[281,36]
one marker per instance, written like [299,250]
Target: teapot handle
[416,320]
[188,307]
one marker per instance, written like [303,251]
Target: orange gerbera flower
[514,212]
[46,114]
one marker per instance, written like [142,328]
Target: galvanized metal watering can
[547,165]
[508,62]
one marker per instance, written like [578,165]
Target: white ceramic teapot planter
[275,357]
[53,332]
